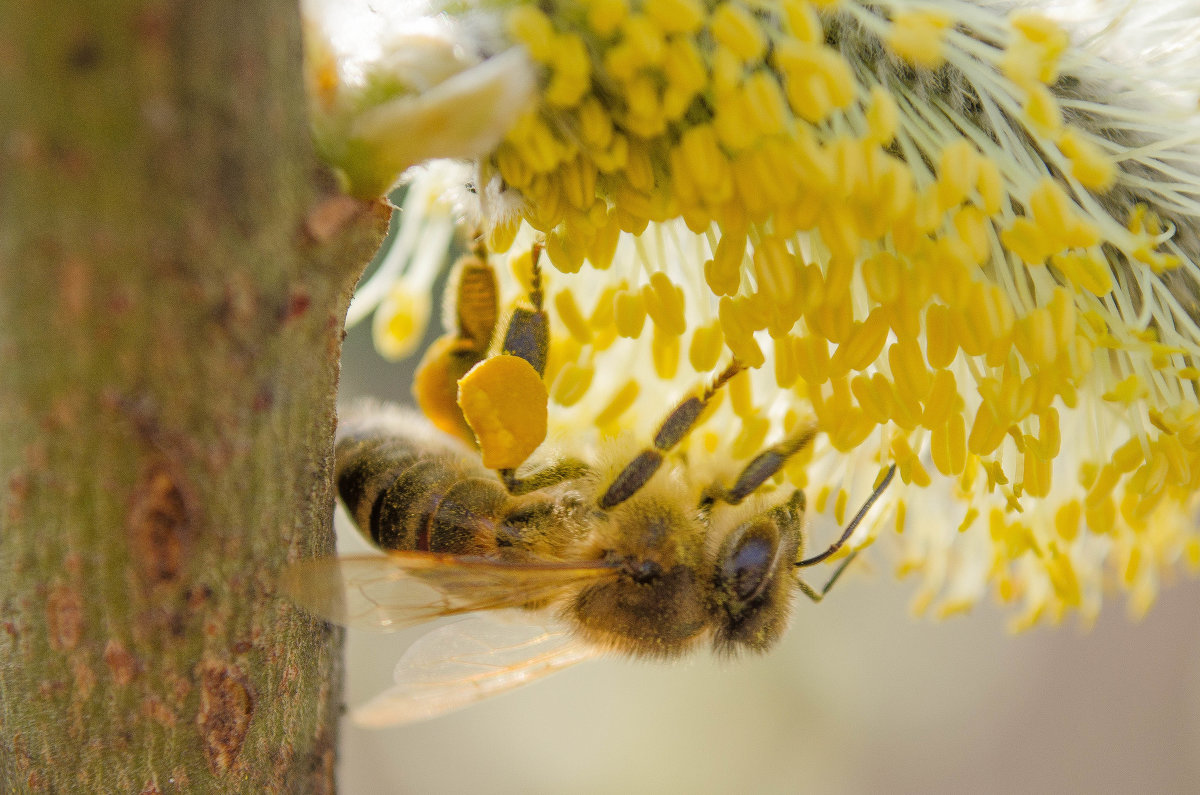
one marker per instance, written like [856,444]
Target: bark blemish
[121,664]
[331,216]
[159,523]
[64,618]
[85,678]
[74,287]
[154,709]
[226,707]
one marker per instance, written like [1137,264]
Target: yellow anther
[941,346]
[572,383]
[918,36]
[530,26]
[1043,111]
[735,27]
[1093,168]
[958,172]
[645,40]
[664,304]
[863,345]
[664,349]
[570,76]
[620,403]
[741,397]
[604,247]
[399,322]
[1128,391]
[803,22]
[812,360]
[882,116]
[505,402]
[605,16]
[706,346]
[565,253]
[990,185]
[912,377]
[629,313]
[766,103]
[675,16]
[948,444]
[568,312]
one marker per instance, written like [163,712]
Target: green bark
[174,272]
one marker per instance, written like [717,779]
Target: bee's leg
[760,469]
[476,306]
[559,471]
[528,332]
[674,428]
[805,588]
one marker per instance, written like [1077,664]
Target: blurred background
[858,697]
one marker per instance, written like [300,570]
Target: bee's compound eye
[747,566]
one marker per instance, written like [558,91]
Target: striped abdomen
[405,495]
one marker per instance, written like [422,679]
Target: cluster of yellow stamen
[971,289]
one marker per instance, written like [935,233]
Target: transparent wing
[467,661]
[399,589]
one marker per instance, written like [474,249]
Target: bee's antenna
[850,528]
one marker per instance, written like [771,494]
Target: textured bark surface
[174,271]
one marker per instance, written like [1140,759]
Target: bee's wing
[467,661]
[399,589]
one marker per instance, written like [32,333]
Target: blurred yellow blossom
[951,234]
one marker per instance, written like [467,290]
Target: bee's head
[753,579]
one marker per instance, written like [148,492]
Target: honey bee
[589,559]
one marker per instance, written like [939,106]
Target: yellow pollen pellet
[572,383]
[706,346]
[664,304]
[675,16]
[620,403]
[664,349]
[571,317]
[629,313]
[504,401]
[917,36]
[735,27]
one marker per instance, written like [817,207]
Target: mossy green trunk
[174,273]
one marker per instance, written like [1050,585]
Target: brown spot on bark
[198,595]
[83,52]
[263,399]
[85,678]
[180,778]
[159,523]
[121,664]
[331,216]
[298,303]
[154,709]
[74,286]
[18,492]
[150,788]
[242,647]
[226,707]
[64,618]
[36,781]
